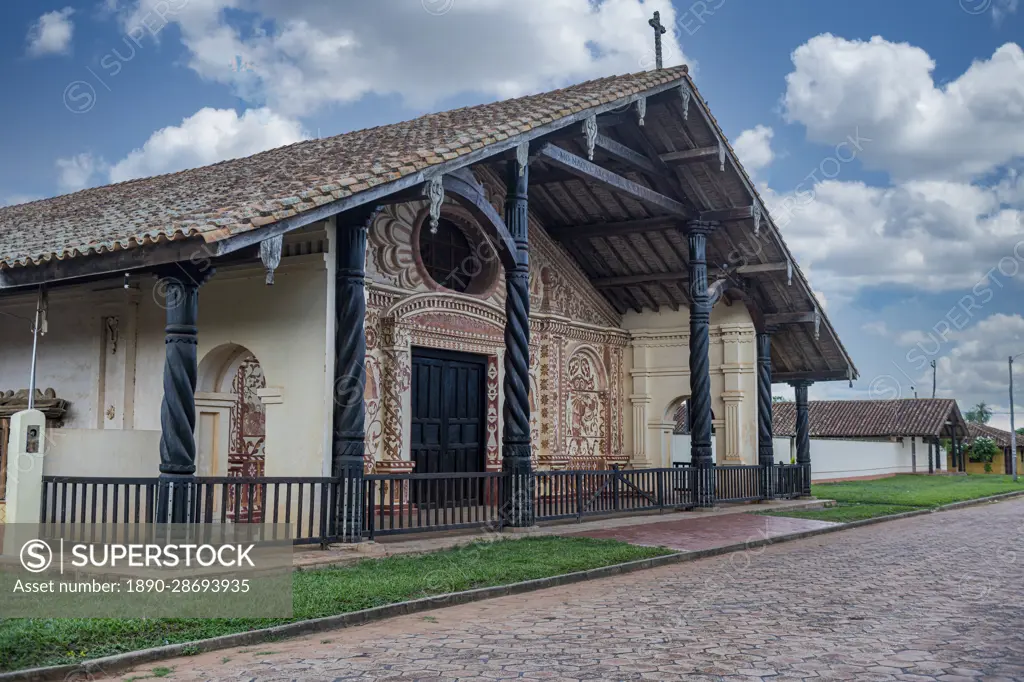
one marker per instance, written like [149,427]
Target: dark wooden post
[178,291]
[348,442]
[931,462]
[700,365]
[765,448]
[517,504]
[803,434]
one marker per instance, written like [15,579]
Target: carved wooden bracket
[270,255]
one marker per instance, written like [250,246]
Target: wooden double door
[448,424]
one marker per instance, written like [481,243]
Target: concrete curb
[80,672]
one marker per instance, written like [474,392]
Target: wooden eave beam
[725,215]
[759,267]
[789,318]
[619,151]
[591,172]
[691,155]
[611,229]
[633,280]
[823,375]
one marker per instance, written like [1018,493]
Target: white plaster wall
[98,452]
[282,325]
[660,380]
[832,459]
[70,353]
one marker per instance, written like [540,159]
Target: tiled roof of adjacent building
[869,418]
[1001,438]
[236,196]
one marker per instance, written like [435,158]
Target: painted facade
[603,387]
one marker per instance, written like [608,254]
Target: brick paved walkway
[893,601]
[717,531]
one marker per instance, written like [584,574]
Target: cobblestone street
[936,597]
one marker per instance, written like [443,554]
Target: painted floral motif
[585,410]
[247,424]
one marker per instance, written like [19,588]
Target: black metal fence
[303,503]
[393,504]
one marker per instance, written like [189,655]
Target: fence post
[615,487]
[660,473]
[579,496]
[371,511]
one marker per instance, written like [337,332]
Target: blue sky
[928,212]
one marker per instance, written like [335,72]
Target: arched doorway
[230,378]
[678,415]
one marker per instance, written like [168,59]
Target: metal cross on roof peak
[655,23]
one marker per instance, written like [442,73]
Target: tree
[979,414]
[983,449]
[778,399]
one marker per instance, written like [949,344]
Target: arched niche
[231,427]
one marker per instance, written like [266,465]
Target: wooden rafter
[691,155]
[591,172]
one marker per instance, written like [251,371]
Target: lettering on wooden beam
[721,155]
[641,109]
[684,95]
[757,218]
[270,255]
[590,133]
[435,194]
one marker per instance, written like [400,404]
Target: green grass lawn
[843,512]
[910,490]
[27,643]
[857,500]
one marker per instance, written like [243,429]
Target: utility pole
[933,378]
[1013,432]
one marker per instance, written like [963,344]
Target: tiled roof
[1002,438]
[236,196]
[869,418]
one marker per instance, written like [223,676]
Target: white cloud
[911,338]
[51,34]
[754,147]
[876,327]
[298,57]
[78,171]
[1002,9]
[929,235]
[208,136]
[969,126]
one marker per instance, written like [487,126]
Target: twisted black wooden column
[517,497]
[803,434]
[765,448]
[349,436]
[178,291]
[700,365]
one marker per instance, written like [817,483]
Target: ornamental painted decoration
[590,133]
[789,273]
[817,322]
[757,218]
[585,409]
[435,194]
[641,110]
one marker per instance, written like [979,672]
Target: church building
[540,283]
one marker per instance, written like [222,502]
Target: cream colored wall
[659,371]
[282,325]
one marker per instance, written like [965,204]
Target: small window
[446,255]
